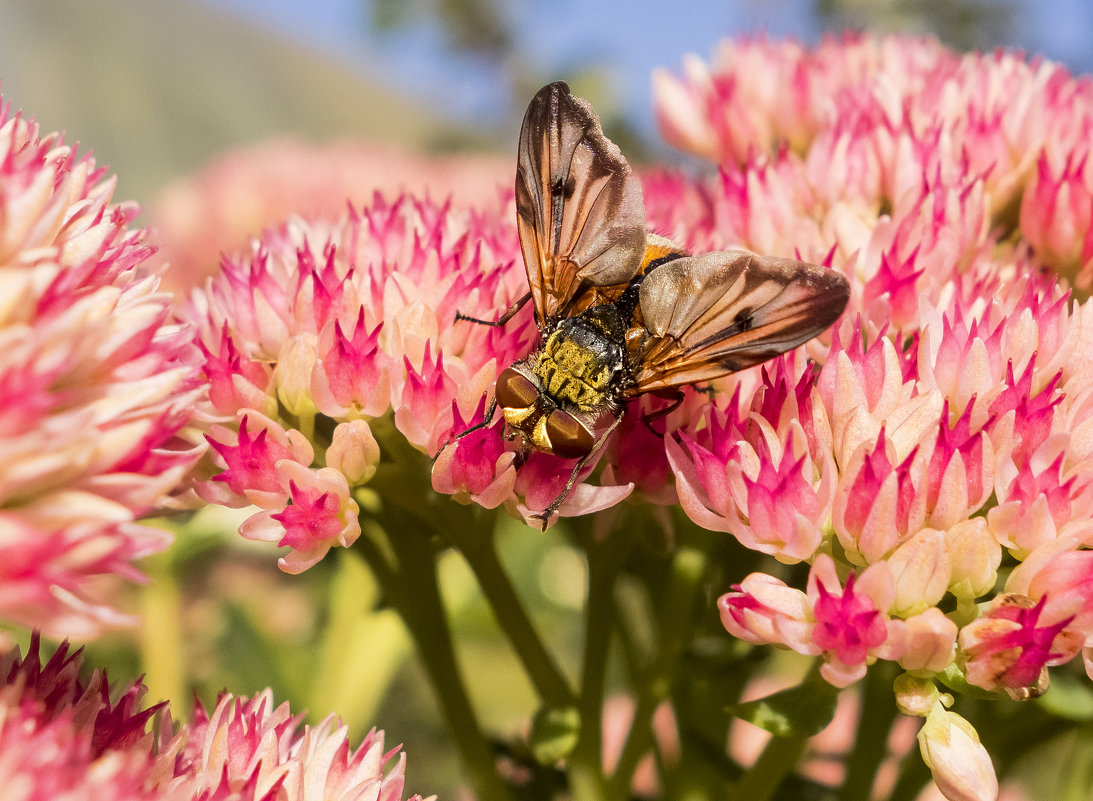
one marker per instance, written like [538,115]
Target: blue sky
[626,37]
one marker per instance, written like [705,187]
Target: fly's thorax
[583,361]
[537,419]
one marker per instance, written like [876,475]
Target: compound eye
[568,437]
[515,390]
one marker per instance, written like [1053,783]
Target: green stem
[777,761]
[538,662]
[413,590]
[1076,781]
[674,626]
[586,762]
[162,646]
[871,745]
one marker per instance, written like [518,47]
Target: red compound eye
[568,437]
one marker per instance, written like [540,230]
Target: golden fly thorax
[555,396]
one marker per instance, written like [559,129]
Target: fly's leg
[510,312]
[672,394]
[486,420]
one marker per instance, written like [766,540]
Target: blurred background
[158,87]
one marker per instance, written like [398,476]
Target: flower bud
[961,766]
[974,555]
[294,365]
[930,641]
[921,569]
[354,452]
[916,696]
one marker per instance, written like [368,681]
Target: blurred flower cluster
[97,385]
[218,210]
[63,738]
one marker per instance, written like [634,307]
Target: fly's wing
[580,212]
[716,313]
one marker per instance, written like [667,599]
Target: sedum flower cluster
[63,737]
[934,464]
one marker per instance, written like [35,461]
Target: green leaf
[554,733]
[800,711]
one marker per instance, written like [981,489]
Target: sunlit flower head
[944,439]
[331,331]
[96,383]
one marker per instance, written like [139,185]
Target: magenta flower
[938,441]
[1056,211]
[772,489]
[330,326]
[848,625]
[65,738]
[96,382]
[1007,648]
[852,625]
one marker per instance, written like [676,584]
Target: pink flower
[255,749]
[763,610]
[97,384]
[952,414]
[63,738]
[478,467]
[1056,211]
[876,506]
[317,515]
[719,113]
[762,485]
[1061,577]
[865,388]
[330,323]
[251,456]
[1007,648]
[1042,502]
[852,627]
[848,625]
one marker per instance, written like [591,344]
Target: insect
[623,313]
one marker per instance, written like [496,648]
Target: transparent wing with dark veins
[716,313]
[580,212]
